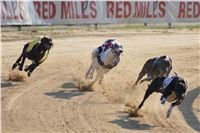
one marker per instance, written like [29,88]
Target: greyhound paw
[20,68]
[26,68]
[100,82]
[14,66]
[168,113]
[140,81]
[163,100]
[86,76]
[134,85]
[134,114]
[29,74]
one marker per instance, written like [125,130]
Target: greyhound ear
[40,38]
[39,41]
[183,86]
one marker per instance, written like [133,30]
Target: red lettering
[3,10]
[155,5]
[70,10]
[127,9]
[138,9]
[52,9]
[37,7]
[148,15]
[72,7]
[196,9]
[118,9]
[144,10]
[181,10]
[14,7]
[83,10]
[189,10]
[65,11]
[162,9]
[44,10]
[93,12]
[77,15]
[22,10]
[110,9]
[16,11]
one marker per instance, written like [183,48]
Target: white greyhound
[104,62]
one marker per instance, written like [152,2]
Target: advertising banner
[33,12]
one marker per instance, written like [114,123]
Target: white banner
[94,12]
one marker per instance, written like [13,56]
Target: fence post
[19,27]
[95,26]
[169,25]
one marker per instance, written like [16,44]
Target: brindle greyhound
[36,51]
[154,67]
[174,87]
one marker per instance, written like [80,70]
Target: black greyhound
[174,87]
[36,51]
[154,67]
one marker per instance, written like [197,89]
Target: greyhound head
[117,49]
[181,87]
[46,42]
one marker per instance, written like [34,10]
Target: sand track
[50,102]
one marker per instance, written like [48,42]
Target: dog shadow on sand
[67,91]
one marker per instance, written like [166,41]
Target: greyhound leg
[101,79]
[88,72]
[148,92]
[92,73]
[153,87]
[146,79]
[169,111]
[19,59]
[27,68]
[31,68]
[141,74]
[101,75]
[177,102]
[22,63]
[17,62]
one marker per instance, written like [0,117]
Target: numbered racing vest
[44,57]
[167,81]
[31,45]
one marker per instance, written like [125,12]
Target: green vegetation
[155,26]
[34,30]
[100,27]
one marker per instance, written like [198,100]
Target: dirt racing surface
[49,100]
